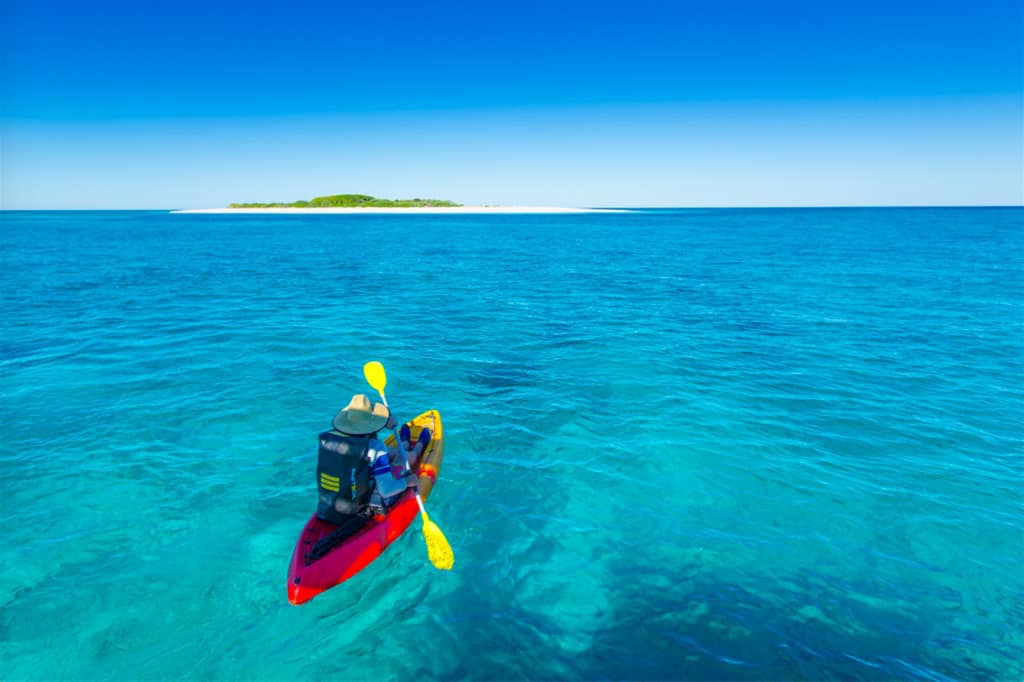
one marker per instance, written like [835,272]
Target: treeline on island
[351,201]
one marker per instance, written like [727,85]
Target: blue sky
[186,104]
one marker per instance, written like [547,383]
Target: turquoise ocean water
[704,444]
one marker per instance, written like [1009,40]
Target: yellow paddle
[438,549]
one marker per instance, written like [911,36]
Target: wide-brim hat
[361,416]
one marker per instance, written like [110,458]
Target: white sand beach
[423,209]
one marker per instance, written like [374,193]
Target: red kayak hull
[307,580]
[351,556]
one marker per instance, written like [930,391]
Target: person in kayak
[353,452]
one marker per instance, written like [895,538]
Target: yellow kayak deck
[429,466]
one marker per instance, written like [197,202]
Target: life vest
[342,477]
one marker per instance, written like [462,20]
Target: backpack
[342,477]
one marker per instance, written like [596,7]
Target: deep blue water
[705,444]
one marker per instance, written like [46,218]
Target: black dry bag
[342,477]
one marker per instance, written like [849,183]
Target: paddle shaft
[438,549]
[401,449]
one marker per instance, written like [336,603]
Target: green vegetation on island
[351,201]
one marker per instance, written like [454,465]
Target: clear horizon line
[692,206]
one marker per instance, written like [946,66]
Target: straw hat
[361,416]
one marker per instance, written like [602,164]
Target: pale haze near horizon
[937,151]
[844,154]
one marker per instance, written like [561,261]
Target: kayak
[319,562]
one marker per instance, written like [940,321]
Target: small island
[354,201]
[364,204]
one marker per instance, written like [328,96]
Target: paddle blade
[438,549]
[375,376]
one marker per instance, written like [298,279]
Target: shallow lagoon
[743,444]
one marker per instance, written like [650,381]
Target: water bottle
[376,503]
[387,485]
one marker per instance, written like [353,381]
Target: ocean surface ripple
[682,444]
